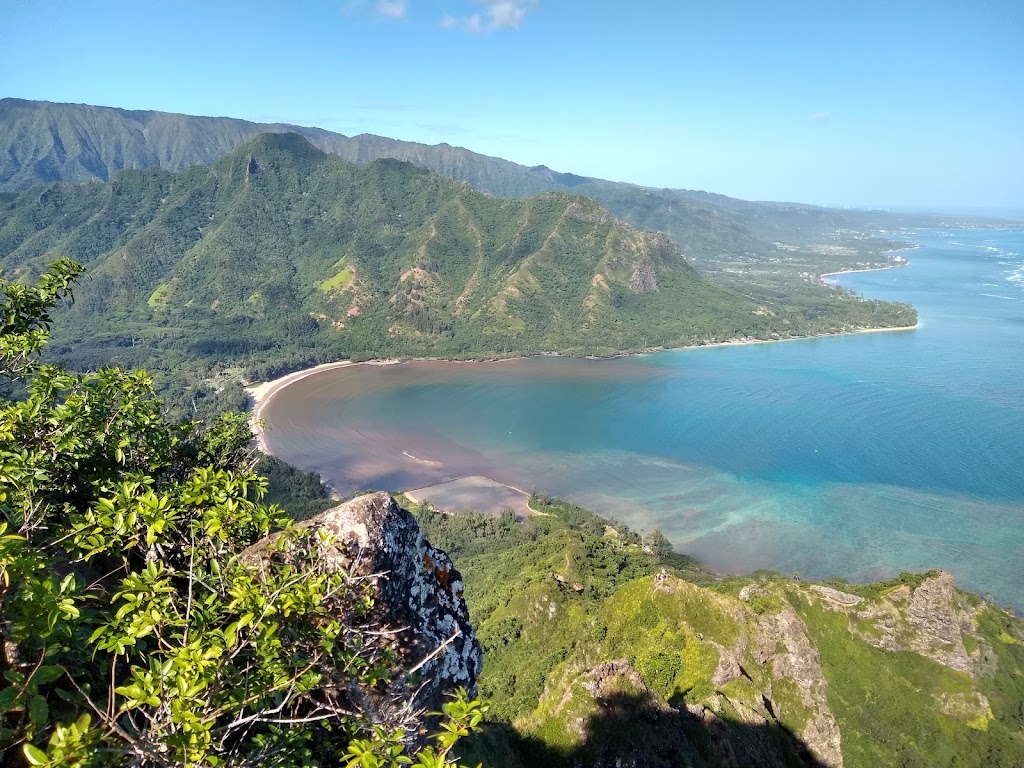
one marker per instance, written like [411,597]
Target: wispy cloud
[392,9]
[820,116]
[387,10]
[497,14]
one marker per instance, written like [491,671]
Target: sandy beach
[261,394]
[742,342]
[478,492]
[855,271]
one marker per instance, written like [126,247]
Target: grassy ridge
[596,650]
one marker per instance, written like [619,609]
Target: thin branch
[436,652]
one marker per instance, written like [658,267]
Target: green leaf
[9,700]
[82,724]
[38,711]
[35,755]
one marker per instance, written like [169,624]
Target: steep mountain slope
[599,653]
[283,254]
[76,142]
[42,141]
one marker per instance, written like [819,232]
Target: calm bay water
[853,456]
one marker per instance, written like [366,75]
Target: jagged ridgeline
[600,652]
[45,142]
[278,249]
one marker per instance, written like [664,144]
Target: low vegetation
[134,630]
[582,624]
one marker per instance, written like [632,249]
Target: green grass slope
[598,652]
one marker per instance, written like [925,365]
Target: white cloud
[820,116]
[509,14]
[388,10]
[467,23]
[498,14]
[392,9]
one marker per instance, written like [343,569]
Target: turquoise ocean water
[853,456]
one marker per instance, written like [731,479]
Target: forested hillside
[279,255]
[44,142]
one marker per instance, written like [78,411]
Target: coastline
[365,379]
[855,271]
[262,393]
[744,342]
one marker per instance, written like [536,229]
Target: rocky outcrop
[626,725]
[842,598]
[940,624]
[613,677]
[418,601]
[643,279]
[931,620]
[784,644]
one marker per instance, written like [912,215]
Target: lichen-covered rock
[418,598]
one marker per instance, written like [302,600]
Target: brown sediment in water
[262,393]
[355,454]
[475,492]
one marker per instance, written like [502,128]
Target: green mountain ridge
[46,142]
[280,254]
[599,651]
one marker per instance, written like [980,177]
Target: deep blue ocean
[854,456]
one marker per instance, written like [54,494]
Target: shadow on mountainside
[630,731]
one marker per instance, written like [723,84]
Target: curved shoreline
[264,392]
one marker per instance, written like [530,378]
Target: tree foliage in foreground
[134,632]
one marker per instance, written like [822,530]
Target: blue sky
[899,103]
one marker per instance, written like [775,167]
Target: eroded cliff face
[419,604]
[932,619]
